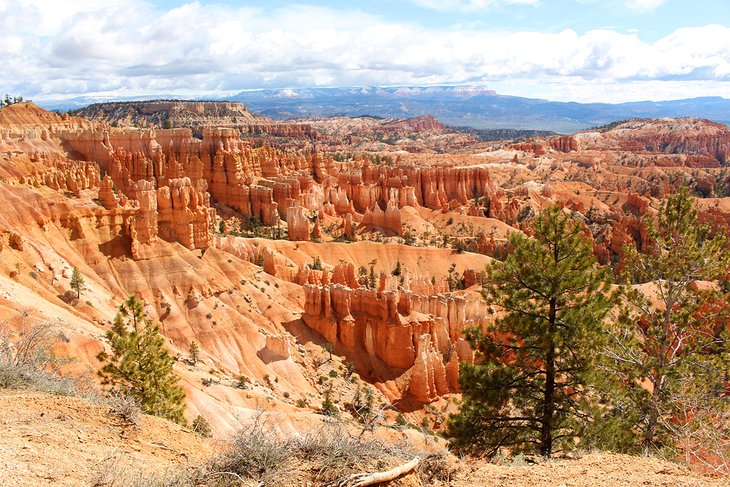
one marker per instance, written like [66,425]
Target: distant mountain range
[456,105]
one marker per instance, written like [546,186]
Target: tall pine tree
[139,364]
[77,283]
[670,354]
[527,387]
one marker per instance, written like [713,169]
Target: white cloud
[644,5]
[469,5]
[112,47]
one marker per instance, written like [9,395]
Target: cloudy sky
[580,50]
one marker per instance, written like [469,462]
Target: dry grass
[26,361]
[126,408]
[258,456]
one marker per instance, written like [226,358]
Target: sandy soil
[594,470]
[67,441]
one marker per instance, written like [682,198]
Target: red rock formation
[565,143]
[144,225]
[297,223]
[107,198]
[184,214]
[706,143]
[422,123]
[407,332]
[534,147]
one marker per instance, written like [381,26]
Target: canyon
[263,241]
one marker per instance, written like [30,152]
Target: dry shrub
[435,468]
[126,408]
[118,470]
[335,454]
[259,456]
[256,452]
[27,362]
[201,427]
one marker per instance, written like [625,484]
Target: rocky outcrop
[297,223]
[168,113]
[565,143]
[415,334]
[705,143]
[107,198]
[144,226]
[184,214]
[422,123]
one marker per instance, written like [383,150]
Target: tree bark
[363,479]
[548,405]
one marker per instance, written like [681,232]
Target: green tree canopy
[669,354]
[527,387]
[139,364]
[78,283]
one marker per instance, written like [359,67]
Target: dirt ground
[66,441]
[593,470]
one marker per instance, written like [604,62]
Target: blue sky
[651,19]
[579,50]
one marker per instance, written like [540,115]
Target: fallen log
[364,479]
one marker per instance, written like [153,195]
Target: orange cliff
[417,337]
[264,182]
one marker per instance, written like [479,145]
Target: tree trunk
[548,405]
[362,480]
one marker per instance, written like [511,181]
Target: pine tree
[670,351]
[201,427]
[194,353]
[78,283]
[328,406]
[139,365]
[372,279]
[528,388]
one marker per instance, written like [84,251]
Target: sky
[566,50]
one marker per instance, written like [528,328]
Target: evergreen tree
[670,351]
[201,427]
[194,353]
[78,283]
[528,388]
[372,278]
[139,365]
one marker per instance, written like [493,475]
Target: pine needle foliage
[78,283]
[139,364]
[670,353]
[527,389]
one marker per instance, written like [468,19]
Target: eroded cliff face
[419,338]
[705,143]
[264,183]
[156,212]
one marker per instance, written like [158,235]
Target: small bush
[257,453]
[201,427]
[435,468]
[243,382]
[328,406]
[126,408]
[27,362]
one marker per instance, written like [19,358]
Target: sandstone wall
[421,336]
